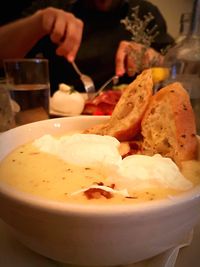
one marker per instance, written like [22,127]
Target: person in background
[94,33]
[63,28]
[12,10]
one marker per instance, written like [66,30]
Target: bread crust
[168,126]
[99,129]
[125,121]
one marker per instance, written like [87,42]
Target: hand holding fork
[89,84]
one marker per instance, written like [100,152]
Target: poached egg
[135,172]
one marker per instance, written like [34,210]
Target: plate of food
[68,102]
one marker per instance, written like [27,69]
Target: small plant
[140,33]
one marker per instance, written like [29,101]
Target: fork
[114,79]
[86,80]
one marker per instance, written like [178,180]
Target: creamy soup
[46,175]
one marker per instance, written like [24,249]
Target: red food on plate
[103,104]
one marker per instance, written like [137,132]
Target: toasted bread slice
[125,121]
[168,126]
[99,129]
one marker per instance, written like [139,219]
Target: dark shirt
[102,33]
[12,10]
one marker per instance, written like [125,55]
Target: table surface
[14,254]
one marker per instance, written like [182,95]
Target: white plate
[58,113]
[62,114]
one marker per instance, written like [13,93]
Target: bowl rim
[54,206]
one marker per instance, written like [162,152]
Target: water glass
[29,87]
[6,114]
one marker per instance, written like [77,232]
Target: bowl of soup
[62,203]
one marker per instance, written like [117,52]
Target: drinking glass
[29,87]
[6,114]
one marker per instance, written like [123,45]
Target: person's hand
[132,58]
[64,29]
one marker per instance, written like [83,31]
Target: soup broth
[45,175]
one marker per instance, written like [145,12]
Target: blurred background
[172,10]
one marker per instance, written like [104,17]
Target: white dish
[57,113]
[13,253]
[62,114]
[89,234]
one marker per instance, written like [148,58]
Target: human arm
[148,38]
[64,29]
[132,58]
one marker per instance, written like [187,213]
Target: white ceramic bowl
[92,235]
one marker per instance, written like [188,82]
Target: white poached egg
[135,172]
